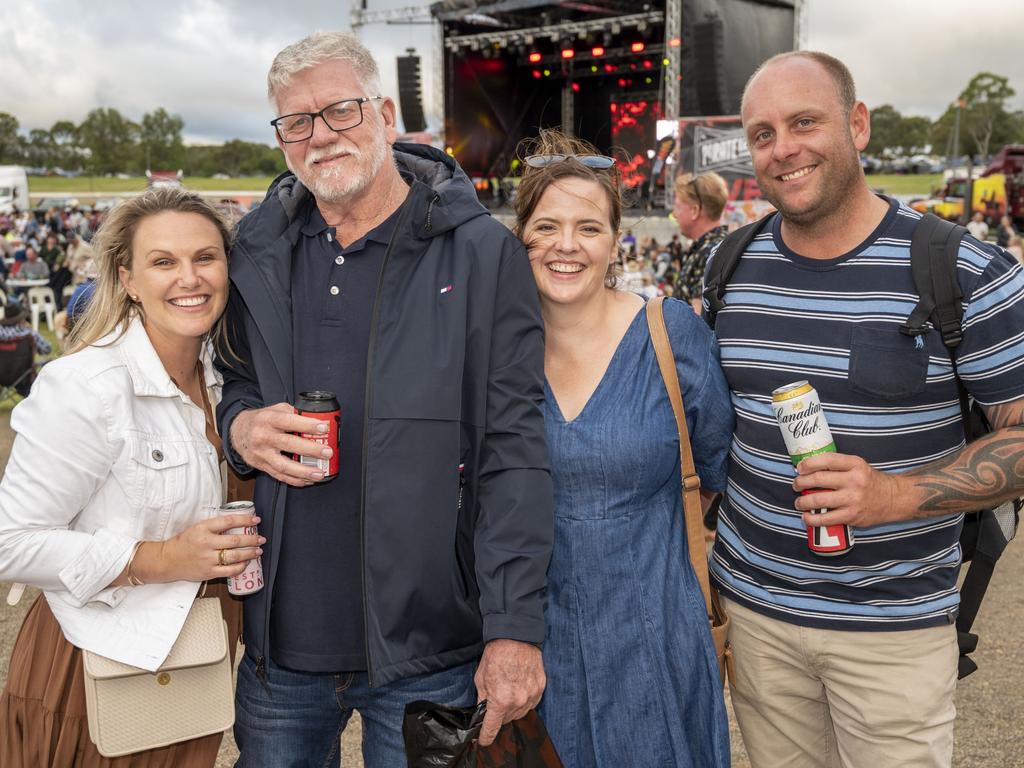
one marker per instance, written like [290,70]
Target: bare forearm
[984,474]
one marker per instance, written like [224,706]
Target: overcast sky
[206,60]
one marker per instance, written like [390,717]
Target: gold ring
[220,557]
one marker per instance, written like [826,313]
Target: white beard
[334,185]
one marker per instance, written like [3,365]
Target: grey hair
[318,48]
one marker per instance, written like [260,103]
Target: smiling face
[803,145]
[179,276]
[336,166]
[571,241]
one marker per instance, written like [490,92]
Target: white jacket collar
[146,371]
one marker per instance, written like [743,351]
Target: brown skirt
[42,708]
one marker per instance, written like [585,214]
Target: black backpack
[933,255]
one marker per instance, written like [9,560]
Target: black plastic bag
[445,737]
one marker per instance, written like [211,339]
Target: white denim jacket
[108,452]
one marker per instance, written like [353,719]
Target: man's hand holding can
[267,438]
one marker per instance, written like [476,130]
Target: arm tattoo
[986,473]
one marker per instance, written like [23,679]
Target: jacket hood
[441,196]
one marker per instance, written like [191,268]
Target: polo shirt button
[340,260]
[329,238]
[335,290]
[158,455]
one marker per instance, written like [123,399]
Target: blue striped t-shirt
[888,398]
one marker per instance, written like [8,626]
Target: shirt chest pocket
[159,469]
[886,363]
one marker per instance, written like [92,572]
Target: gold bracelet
[134,580]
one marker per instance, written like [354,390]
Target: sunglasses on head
[692,184]
[599,162]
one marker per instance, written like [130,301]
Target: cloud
[206,60]
[917,55]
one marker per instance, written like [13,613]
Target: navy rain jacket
[454,377]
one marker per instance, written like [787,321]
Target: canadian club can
[251,579]
[324,406]
[806,433]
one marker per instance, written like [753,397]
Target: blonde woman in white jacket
[109,501]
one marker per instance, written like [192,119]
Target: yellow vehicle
[998,190]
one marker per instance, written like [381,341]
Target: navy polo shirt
[317,623]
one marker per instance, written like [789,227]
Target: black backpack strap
[933,255]
[720,268]
[933,258]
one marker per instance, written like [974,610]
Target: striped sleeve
[990,359]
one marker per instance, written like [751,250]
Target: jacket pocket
[886,363]
[160,468]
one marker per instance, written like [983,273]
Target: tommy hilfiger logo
[447,289]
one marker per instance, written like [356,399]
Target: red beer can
[321,405]
[251,579]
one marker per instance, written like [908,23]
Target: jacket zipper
[367,397]
[261,660]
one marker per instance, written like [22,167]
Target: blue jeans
[300,721]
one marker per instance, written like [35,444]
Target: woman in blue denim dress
[632,674]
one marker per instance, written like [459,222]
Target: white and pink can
[251,579]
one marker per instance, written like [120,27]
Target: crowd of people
[54,248]
[506,522]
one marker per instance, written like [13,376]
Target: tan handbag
[717,617]
[190,695]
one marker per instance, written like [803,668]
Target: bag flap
[203,641]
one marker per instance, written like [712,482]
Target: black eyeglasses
[599,162]
[339,116]
[692,183]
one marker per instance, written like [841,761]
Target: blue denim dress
[631,668]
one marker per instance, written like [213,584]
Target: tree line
[985,123]
[106,142]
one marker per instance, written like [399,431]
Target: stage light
[449,151]
[609,67]
[593,67]
[547,73]
[596,51]
[665,62]
[675,42]
[568,53]
[648,64]
[534,57]
[536,74]
[637,47]
[622,82]
[575,87]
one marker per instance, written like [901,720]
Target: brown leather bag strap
[691,482]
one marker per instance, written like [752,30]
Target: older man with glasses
[371,271]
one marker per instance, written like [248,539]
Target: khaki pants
[819,698]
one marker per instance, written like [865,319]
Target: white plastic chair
[40,300]
[67,292]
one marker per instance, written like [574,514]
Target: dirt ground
[989,702]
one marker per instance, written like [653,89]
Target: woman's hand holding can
[207,550]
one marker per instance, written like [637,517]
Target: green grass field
[900,184]
[87,188]
[99,186]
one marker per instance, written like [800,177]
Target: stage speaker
[410,92]
[709,50]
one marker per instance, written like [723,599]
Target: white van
[13,188]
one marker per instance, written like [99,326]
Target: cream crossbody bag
[189,696]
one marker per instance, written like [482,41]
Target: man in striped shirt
[851,660]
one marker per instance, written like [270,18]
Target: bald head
[840,76]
